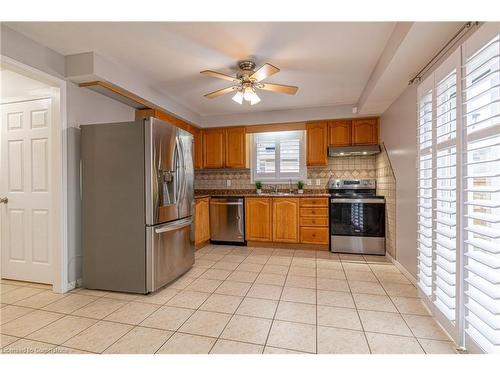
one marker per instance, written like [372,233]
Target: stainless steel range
[357,217]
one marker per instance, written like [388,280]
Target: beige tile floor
[234,300]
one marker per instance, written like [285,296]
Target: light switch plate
[309,181]
[228,183]
[318,181]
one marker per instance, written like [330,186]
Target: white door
[25,149]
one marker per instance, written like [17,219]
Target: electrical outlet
[309,181]
[318,181]
[228,183]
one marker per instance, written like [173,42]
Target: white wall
[84,107]
[14,85]
[398,132]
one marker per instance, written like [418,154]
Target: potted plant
[300,186]
[258,186]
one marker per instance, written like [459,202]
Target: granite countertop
[251,193]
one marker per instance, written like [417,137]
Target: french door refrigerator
[137,205]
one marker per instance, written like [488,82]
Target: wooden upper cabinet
[198,149]
[286,220]
[365,131]
[317,133]
[339,133]
[258,219]
[235,147]
[213,148]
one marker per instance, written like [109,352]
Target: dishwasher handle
[224,203]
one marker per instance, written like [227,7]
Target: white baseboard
[403,270]
[70,286]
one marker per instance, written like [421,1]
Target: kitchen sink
[281,194]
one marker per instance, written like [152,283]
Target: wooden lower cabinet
[314,235]
[201,221]
[314,221]
[258,219]
[286,220]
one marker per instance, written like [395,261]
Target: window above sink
[278,157]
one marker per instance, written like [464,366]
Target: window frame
[278,177]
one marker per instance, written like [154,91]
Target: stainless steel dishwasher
[227,220]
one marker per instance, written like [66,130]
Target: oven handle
[359,200]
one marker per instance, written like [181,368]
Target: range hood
[353,150]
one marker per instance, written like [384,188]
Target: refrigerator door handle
[178,168]
[182,168]
[176,226]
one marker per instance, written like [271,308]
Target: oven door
[361,217]
[357,226]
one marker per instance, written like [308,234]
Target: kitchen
[272,217]
[256,208]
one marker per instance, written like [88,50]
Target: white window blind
[445,218]
[425,205]
[278,156]
[459,191]
[481,81]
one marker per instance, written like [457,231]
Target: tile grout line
[357,311]
[252,284]
[198,308]
[279,302]
[159,306]
[401,316]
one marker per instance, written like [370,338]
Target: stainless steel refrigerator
[137,205]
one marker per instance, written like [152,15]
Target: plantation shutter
[481,119]
[425,203]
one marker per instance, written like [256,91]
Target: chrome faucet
[275,187]
[290,189]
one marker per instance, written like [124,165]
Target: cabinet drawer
[314,211]
[312,202]
[313,221]
[314,235]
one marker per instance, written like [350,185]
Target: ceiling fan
[247,81]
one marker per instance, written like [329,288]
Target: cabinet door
[365,131]
[339,133]
[198,222]
[258,219]
[316,142]
[205,219]
[235,147]
[286,220]
[198,150]
[213,148]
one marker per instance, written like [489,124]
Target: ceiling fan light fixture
[248,93]
[247,81]
[238,97]
[255,99]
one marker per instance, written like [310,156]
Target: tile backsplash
[386,186]
[349,167]
[339,167]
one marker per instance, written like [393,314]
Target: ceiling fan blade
[284,89]
[211,73]
[263,72]
[220,92]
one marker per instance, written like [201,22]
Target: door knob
[4,200]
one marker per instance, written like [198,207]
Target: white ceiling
[330,62]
